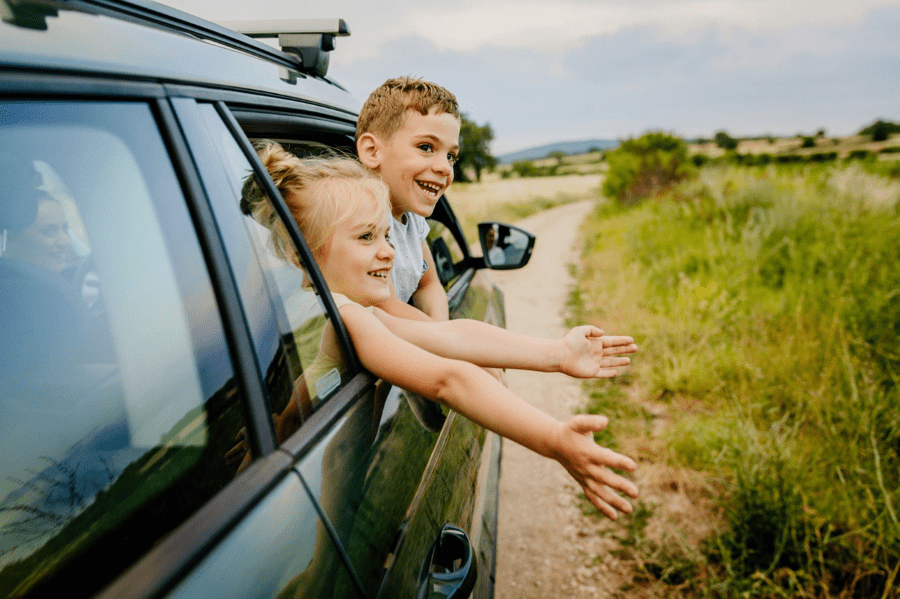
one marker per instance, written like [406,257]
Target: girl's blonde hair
[321,193]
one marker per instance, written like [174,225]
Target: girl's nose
[386,250]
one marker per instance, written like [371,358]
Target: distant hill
[569,147]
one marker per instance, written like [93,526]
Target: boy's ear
[368,148]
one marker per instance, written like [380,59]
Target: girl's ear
[368,148]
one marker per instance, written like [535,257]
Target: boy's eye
[426,147]
[366,236]
[452,158]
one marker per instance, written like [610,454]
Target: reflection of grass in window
[307,338]
[153,495]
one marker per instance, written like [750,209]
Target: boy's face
[417,161]
[357,259]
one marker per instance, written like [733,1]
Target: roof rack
[310,39]
[310,57]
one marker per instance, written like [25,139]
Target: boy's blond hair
[321,193]
[384,112]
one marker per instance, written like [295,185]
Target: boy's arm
[395,307]
[478,396]
[585,352]
[430,296]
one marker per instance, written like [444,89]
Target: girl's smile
[356,260]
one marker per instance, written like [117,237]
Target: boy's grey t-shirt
[409,263]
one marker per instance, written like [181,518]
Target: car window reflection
[115,383]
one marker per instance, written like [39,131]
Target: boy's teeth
[429,188]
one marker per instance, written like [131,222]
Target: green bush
[527,168]
[646,166]
[881,130]
[860,155]
[725,141]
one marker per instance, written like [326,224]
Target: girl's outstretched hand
[590,464]
[588,353]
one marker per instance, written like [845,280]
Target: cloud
[749,81]
[547,70]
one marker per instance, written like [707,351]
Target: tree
[725,141]
[881,130]
[647,166]
[474,150]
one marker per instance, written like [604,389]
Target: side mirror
[505,247]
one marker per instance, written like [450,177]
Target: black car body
[152,330]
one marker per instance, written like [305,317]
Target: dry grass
[510,200]
[493,191]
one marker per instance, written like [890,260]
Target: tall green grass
[770,299]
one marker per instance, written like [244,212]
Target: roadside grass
[766,302]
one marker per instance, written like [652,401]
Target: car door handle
[450,567]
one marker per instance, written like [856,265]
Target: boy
[408,132]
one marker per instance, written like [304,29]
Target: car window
[118,395]
[314,364]
[446,251]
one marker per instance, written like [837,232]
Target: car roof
[77,40]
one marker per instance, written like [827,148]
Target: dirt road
[547,545]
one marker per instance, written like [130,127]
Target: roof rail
[310,39]
[33,14]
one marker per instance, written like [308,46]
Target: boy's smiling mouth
[432,189]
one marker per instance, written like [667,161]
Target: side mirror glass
[505,247]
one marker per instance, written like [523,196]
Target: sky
[544,71]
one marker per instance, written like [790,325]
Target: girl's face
[356,260]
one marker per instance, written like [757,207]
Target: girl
[343,212]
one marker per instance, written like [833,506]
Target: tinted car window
[303,359]
[447,253]
[117,392]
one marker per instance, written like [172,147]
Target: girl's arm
[585,352]
[475,394]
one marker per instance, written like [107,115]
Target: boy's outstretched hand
[590,464]
[588,353]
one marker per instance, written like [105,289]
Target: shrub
[808,142]
[725,141]
[881,130]
[646,166]
[527,168]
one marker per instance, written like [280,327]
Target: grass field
[767,306]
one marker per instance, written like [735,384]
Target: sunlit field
[495,198]
[763,405]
